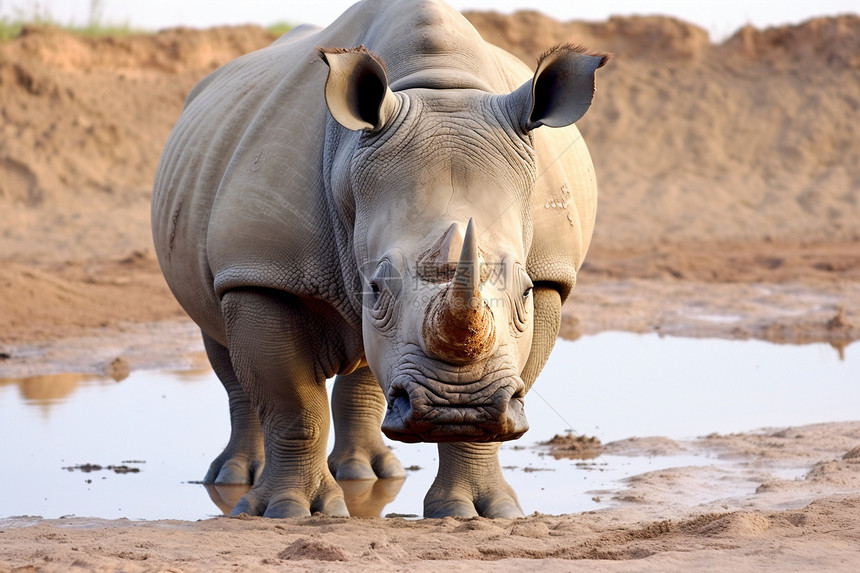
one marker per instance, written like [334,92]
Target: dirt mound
[173,51]
[528,33]
[50,303]
[744,141]
[315,549]
[697,146]
[89,116]
[740,142]
[834,42]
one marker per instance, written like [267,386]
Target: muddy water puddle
[86,446]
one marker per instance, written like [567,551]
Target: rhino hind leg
[243,458]
[469,483]
[358,406]
[275,346]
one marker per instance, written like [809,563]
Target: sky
[721,19]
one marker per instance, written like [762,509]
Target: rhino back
[240,177]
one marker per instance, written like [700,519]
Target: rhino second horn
[459,326]
[435,265]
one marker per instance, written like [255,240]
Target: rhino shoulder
[564,205]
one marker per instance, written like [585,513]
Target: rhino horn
[464,294]
[459,326]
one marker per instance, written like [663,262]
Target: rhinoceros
[394,202]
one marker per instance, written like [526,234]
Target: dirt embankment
[722,163]
[83,124]
[745,141]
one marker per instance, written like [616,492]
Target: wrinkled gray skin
[396,217]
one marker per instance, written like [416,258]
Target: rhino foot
[358,407]
[235,468]
[498,502]
[270,501]
[470,483]
[351,464]
[242,460]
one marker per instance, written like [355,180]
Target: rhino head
[436,185]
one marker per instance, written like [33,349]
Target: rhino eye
[381,278]
[374,289]
[527,283]
[521,306]
[383,287]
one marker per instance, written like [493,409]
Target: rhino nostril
[396,394]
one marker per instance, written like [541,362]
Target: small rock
[839,320]
[118,369]
[852,454]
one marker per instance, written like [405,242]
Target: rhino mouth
[422,409]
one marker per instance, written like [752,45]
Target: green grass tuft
[11,28]
[96,27]
[37,15]
[103,30]
[279,28]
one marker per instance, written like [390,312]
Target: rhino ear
[562,88]
[356,91]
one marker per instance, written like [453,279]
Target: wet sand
[660,523]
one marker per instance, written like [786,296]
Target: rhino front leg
[470,483]
[242,460]
[547,322]
[358,406]
[276,353]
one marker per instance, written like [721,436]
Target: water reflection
[193,376]
[226,496]
[364,497]
[54,389]
[46,390]
[367,497]
[611,386]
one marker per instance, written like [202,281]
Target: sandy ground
[730,207]
[719,518]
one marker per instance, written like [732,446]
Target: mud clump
[89,468]
[839,320]
[741,524]
[313,549]
[852,454]
[118,369]
[574,447]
